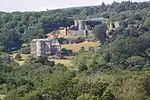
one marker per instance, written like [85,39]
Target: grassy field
[77,47]
[22,61]
[66,62]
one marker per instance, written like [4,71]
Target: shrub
[82,67]
[30,59]
[2,48]
[146,67]
[80,39]
[136,61]
[45,61]
[147,22]
[18,56]
[108,96]
[25,50]
[82,49]
[107,57]
[49,63]
[87,97]
[91,49]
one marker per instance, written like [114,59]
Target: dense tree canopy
[28,25]
[100,32]
[118,70]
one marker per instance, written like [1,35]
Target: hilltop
[17,27]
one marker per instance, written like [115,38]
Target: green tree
[100,32]
[147,22]
[136,60]
[82,67]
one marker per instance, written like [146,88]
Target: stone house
[42,47]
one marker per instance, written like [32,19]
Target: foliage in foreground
[38,82]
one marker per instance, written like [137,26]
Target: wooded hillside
[20,27]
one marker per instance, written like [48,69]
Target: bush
[146,67]
[97,63]
[45,61]
[18,56]
[136,61]
[80,39]
[82,49]
[33,98]
[25,50]
[87,97]
[107,57]
[147,22]
[82,67]
[108,96]
[49,63]
[50,53]
[30,59]
[60,67]
[91,49]
[2,48]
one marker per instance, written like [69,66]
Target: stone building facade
[40,47]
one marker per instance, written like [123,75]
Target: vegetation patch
[77,47]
